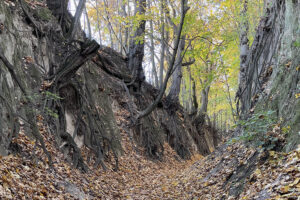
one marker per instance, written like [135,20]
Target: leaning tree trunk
[261,56]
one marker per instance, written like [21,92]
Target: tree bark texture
[260,56]
[136,49]
[177,75]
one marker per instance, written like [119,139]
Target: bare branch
[192,61]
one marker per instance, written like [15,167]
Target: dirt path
[26,176]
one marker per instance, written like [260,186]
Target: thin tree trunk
[162,41]
[75,3]
[76,19]
[194,102]
[84,23]
[191,107]
[228,91]
[244,49]
[229,97]
[126,37]
[129,28]
[154,72]
[98,23]
[120,44]
[110,28]
[88,23]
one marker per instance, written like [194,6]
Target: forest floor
[26,176]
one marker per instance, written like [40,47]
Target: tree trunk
[194,106]
[110,28]
[125,15]
[204,100]
[183,93]
[163,43]
[136,49]
[98,23]
[229,98]
[76,19]
[177,75]
[88,23]
[154,72]
[244,49]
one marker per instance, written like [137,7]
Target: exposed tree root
[29,106]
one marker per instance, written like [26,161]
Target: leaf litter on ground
[27,175]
